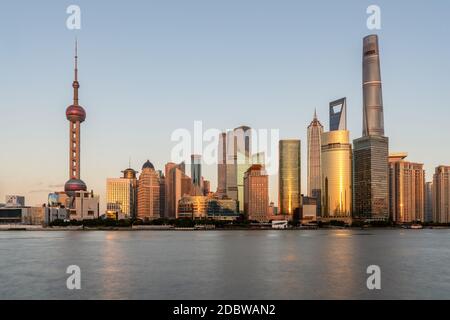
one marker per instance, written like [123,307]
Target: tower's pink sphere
[74,185]
[75,113]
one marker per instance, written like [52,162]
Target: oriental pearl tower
[76,115]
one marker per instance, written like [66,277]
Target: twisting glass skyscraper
[371,176]
[315,130]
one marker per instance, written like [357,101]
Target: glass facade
[336,174]
[371,193]
[315,130]
[289,176]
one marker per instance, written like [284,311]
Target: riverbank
[19,227]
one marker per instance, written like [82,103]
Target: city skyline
[18,179]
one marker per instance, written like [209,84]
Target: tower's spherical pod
[75,113]
[74,185]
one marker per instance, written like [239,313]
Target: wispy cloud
[41,191]
[55,186]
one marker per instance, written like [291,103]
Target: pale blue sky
[150,67]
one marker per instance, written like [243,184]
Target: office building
[256,193]
[371,151]
[336,175]
[338,115]
[196,169]
[428,202]
[121,193]
[289,178]
[162,193]
[148,193]
[315,130]
[178,184]
[238,161]
[222,166]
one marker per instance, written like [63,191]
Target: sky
[148,68]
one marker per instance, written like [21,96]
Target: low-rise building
[309,209]
[84,206]
[55,213]
[33,215]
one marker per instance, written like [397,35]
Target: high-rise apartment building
[256,193]
[289,178]
[441,195]
[406,189]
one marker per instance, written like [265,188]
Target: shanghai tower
[373,123]
[371,151]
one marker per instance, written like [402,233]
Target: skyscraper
[76,115]
[238,161]
[162,193]
[289,177]
[148,193]
[315,130]
[428,202]
[371,176]
[336,156]
[338,115]
[196,169]
[406,189]
[256,193]
[178,184]
[222,166]
[441,194]
[122,192]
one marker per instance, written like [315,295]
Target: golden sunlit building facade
[406,189]
[148,207]
[121,194]
[441,195]
[336,175]
[256,193]
[289,175]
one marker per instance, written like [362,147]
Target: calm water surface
[316,264]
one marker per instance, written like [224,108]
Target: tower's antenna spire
[76,59]
[75,84]
[315,113]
